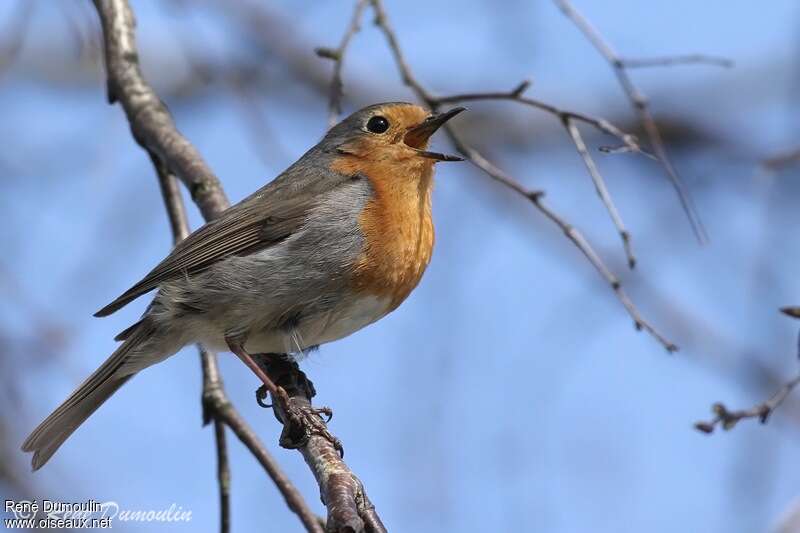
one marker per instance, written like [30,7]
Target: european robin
[334,243]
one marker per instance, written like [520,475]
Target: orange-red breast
[333,244]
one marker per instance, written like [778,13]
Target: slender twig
[641,106]
[782,160]
[535,197]
[568,119]
[792,311]
[572,233]
[602,190]
[223,476]
[173,201]
[728,419]
[669,61]
[337,56]
[517,95]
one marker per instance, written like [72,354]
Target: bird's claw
[261,395]
[303,422]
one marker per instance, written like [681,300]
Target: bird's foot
[300,419]
[261,394]
[301,422]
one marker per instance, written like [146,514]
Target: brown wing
[269,216]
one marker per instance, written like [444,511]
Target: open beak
[418,136]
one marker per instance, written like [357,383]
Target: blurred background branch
[640,104]
[728,419]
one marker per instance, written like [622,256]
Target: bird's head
[395,131]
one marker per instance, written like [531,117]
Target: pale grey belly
[350,316]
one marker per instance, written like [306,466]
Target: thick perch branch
[151,124]
[173,155]
[349,509]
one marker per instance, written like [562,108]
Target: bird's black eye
[378,124]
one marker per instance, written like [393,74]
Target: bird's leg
[268,361]
[286,373]
[300,420]
[237,347]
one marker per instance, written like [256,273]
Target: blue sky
[510,392]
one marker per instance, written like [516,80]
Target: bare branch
[728,419]
[151,124]
[516,95]
[602,190]
[575,236]
[782,160]
[349,508]
[535,197]
[173,201]
[223,477]
[792,311]
[337,55]
[669,61]
[641,106]
[218,406]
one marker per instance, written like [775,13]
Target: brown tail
[56,428]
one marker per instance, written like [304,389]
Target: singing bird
[334,243]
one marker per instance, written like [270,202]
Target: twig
[568,119]
[535,197]
[337,56]
[782,160]
[602,190]
[668,61]
[223,477]
[517,95]
[154,129]
[173,201]
[640,105]
[728,419]
[792,311]
[575,236]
